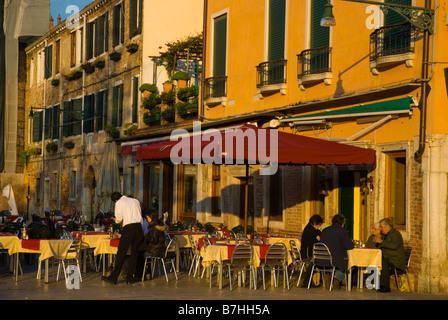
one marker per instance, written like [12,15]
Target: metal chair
[242,261]
[407,255]
[276,259]
[322,260]
[169,257]
[195,262]
[73,254]
[297,261]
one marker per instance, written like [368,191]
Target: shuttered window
[48,118]
[101,109]
[117,106]
[89,105]
[55,122]
[220,46]
[37,126]
[48,62]
[77,116]
[118,25]
[72,118]
[135,17]
[396,39]
[135,94]
[90,39]
[320,36]
[392,17]
[277,12]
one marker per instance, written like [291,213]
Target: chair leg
[300,275]
[144,269]
[332,277]
[164,269]
[174,269]
[311,277]
[409,282]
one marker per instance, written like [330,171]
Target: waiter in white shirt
[128,212]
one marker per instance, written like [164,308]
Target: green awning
[397,106]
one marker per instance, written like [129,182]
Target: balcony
[215,91]
[391,45]
[313,66]
[271,77]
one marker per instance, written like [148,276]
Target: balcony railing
[271,72]
[391,40]
[215,87]
[313,61]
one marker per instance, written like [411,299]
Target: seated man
[338,241]
[392,250]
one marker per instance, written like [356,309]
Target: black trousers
[131,236]
[386,270]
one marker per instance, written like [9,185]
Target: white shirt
[128,210]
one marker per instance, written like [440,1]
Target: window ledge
[385,61]
[326,77]
[271,88]
[212,102]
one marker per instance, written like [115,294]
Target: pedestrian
[128,212]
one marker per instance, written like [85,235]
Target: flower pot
[181,83]
[146,93]
[167,86]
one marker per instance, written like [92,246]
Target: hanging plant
[169,114]
[74,75]
[112,131]
[69,144]
[99,64]
[168,97]
[51,147]
[115,56]
[151,101]
[55,82]
[132,48]
[88,68]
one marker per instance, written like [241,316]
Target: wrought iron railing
[314,61]
[271,72]
[391,40]
[215,87]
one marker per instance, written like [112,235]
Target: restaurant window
[276,196]
[151,181]
[395,195]
[187,184]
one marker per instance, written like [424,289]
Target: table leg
[46,271]
[349,284]
[16,267]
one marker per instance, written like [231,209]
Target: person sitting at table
[338,241]
[155,237]
[392,252]
[310,236]
[376,233]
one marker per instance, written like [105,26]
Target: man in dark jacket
[338,241]
[155,239]
[392,250]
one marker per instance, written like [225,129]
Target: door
[346,198]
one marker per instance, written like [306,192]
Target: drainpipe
[425,88]
[204,41]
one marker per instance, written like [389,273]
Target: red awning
[256,145]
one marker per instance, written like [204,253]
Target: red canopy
[248,143]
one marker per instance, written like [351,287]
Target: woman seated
[155,237]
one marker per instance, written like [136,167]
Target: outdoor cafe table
[7,240]
[362,258]
[106,246]
[222,252]
[183,241]
[46,248]
[89,240]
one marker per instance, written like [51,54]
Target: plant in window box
[115,56]
[168,97]
[150,119]
[74,75]
[69,144]
[147,89]
[55,82]
[132,48]
[99,64]
[169,114]
[181,78]
[51,147]
[184,93]
[88,67]
[187,110]
[112,131]
[129,128]
[156,112]
[168,85]
[151,101]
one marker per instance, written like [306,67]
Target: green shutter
[392,17]
[220,46]
[140,16]
[116,26]
[89,40]
[277,18]
[122,23]
[37,126]
[115,97]
[135,94]
[66,119]
[132,17]
[106,31]
[320,36]
[55,122]
[47,128]
[120,105]
[76,116]
[88,113]
[99,110]
[48,61]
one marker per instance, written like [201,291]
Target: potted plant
[187,109]
[112,131]
[88,67]
[55,82]
[181,78]
[99,64]
[184,93]
[51,147]
[168,97]
[168,85]
[169,114]
[147,89]
[150,119]
[115,56]
[129,128]
[74,75]
[151,101]
[132,48]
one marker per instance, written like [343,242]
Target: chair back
[66,235]
[322,256]
[194,245]
[221,242]
[277,253]
[167,238]
[171,248]
[206,242]
[73,250]
[243,253]
[407,256]
[295,252]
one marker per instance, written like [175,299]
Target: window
[72,118]
[118,25]
[72,185]
[216,190]
[73,47]
[57,57]
[276,196]
[117,106]
[101,109]
[318,190]
[101,34]
[48,71]
[54,186]
[187,185]
[135,17]
[89,113]
[319,38]
[38,190]
[276,36]
[37,126]
[395,196]
[151,179]
[135,95]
